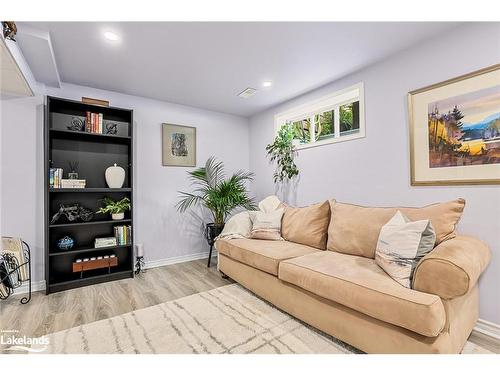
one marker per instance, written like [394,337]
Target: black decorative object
[10,276]
[72,212]
[111,128]
[77,124]
[211,233]
[94,152]
[139,265]
[73,167]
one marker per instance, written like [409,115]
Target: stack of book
[123,235]
[55,177]
[73,184]
[94,123]
[105,242]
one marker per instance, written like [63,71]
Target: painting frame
[173,154]
[415,131]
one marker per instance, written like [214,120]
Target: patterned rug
[228,319]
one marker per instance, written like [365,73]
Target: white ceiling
[207,64]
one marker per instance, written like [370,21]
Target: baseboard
[36,286]
[489,329]
[179,259]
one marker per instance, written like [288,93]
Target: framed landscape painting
[455,130]
[179,145]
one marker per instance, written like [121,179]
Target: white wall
[164,232]
[375,170]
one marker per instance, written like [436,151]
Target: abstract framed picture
[455,130]
[179,145]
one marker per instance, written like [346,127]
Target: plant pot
[119,216]
[212,231]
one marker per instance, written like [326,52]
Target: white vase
[115,176]
[119,216]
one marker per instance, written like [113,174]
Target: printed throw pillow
[401,244]
[266,225]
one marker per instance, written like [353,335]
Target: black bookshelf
[94,153]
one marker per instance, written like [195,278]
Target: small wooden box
[95,264]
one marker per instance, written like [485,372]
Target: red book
[94,123]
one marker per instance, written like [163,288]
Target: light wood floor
[46,314]
[55,312]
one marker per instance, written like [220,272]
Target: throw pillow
[401,244]
[307,225]
[238,226]
[266,225]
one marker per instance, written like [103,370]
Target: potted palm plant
[220,195]
[115,208]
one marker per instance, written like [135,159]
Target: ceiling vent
[248,92]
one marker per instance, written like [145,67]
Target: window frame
[329,102]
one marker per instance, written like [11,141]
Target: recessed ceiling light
[111,36]
[267,84]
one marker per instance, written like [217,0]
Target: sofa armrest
[452,268]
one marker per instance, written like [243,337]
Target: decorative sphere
[65,243]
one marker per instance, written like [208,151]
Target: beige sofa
[324,274]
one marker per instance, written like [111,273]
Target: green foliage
[112,207]
[346,117]
[213,191]
[301,130]
[283,152]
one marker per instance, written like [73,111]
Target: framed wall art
[179,145]
[455,130]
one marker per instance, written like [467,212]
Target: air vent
[248,92]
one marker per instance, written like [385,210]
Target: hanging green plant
[283,152]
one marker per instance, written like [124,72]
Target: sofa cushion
[264,255]
[355,229]
[307,225]
[360,284]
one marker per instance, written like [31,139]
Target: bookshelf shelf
[95,222]
[79,135]
[89,190]
[93,152]
[83,250]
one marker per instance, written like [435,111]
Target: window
[335,118]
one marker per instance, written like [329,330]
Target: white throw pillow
[266,225]
[401,244]
[238,226]
[269,204]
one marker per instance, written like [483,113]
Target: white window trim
[325,103]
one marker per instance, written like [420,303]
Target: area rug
[228,319]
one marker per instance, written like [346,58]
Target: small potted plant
[115,208]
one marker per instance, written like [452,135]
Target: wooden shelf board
[90,223]
[71,134]
[89,190]
[85,250]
